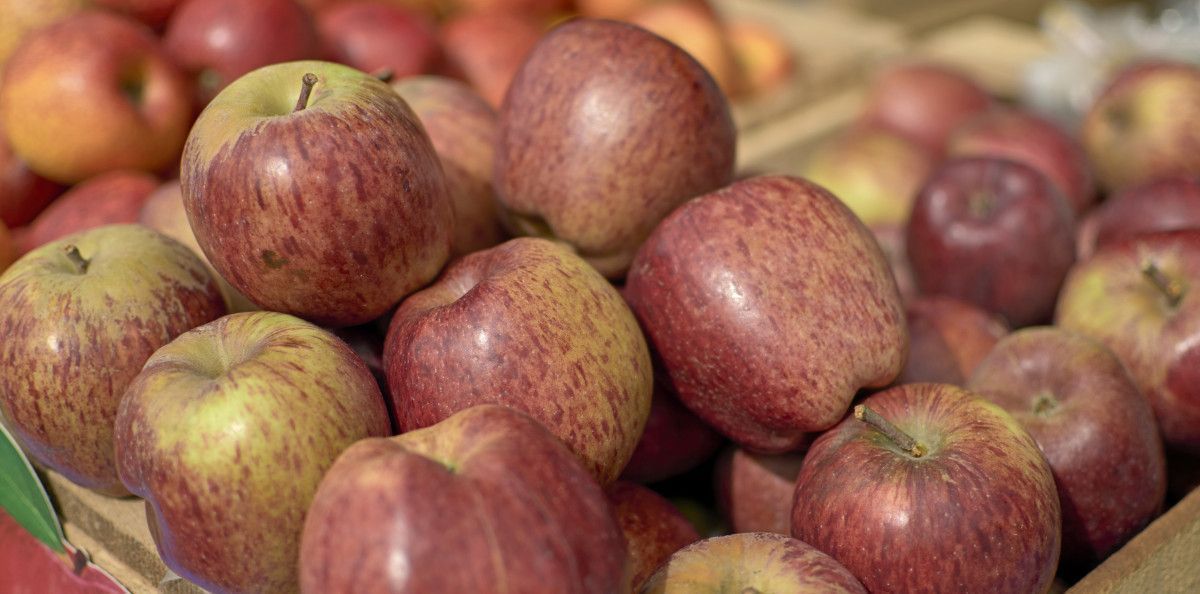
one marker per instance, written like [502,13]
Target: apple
[530,325]
[674,440]
[1023,136]
[93,93]
[877,172]
[750,563]
[226,433]
[995,233]
[1136,297]
[611,9]
[653,528]
[947,338]
[924,100]
[485,501]
[378,37]
[754,491]
[891,239]
[29,566]
[631,128]
[697,29]
[23,193]
[462,127]
[107,199]
[486,48]
[1145,124]
[367,342]
[1161,204]
[929,487]
[766,58]
[218,41]
[152,12]
[1095,428]
[770,305]
[79,317]
[8,248]
[21,17]
[331,207]
[539,8]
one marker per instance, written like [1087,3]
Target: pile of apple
[381,337]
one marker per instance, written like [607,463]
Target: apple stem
[81,264]
[385,74]
[900,438]
[306,88]
[79,562]
[1170,288]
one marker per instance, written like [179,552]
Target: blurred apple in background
[375,36]
[79,317]
[217,41]
[699,30]
[631,128]
[611,9]
[152,12]
[486,48]
[754,491]
[925,101]
[8,248]
[770,305]
[486,501]
[23,193]
[947,338]
[892,239]
[1094,426]
[995,233]
[1162,204]
[766,58]
[24,16]
[1145,124]
[1035,141]
[462,127]
[752,562]
[107,199]
[94,93]
[538,8]
[653,528]
[226,433]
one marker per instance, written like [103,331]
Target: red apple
[373,36]
[767,58]
[611,9]
[23,193]
[891,239]
[926,101]
[29,566]
[754,491]
[8,248]
[698,29]
[23,16]
[653,528]
[674,441]
[947,338]
[929,487]
[487,48]
[1162,204]
[152,12]
[107,199]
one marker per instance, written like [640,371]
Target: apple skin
[73,342]
[752,562]
[23,16]
[891,239]
[1161,204]
[530,325]
[995,233]
[423,497]
[23,193]
[462,127]
[947,338]
[1031,139]
[207,435]
[747,293]
[1096,429]
[766,58]
[218,41]
[674,440]
[94,93]
[29,566]
[1110,299]
[8,248]
[108,199]
[372,37]
[486,48]
[754,491]
[925,101]
[591,160]
[977,513]
[332,213]
[1145,124]
[697,29]
[152,12]
[653,528]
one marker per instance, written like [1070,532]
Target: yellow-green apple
[1145,124]
[24,16]
[486,48]
[152,12]
[530,325]
[218,41]
[770,305]
[752,563]
[378,37]
[29,566]
[947,338]
[1024,136]
[313,189]
[8,248]
[995,233]
[23,193]
[1095,428]
[631,128]
[226,433]
[877,172]
[1161,204]
[931,488]
[93,93]
[108,199]
[924,100]
[699,30]
[486,501]
[163,211]
[1139,298]
[79,317]
[653,528]
[766,58]
[674,440]
[754,491]
[462,127]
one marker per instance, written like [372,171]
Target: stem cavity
[1169,287]
[306,88]
[77,259]
[903,440]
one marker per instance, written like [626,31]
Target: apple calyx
[306,88]
[1044,403]
[981,204]
[77,260]
[903,440]
[1171,288]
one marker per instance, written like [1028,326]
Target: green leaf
[22,495]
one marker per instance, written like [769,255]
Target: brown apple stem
[385,74]
[79,562]
[306,88]
[1170,288]
[77,259]
[900,438]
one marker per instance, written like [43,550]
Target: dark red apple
[925,101]
[29,566]
[23,193]
[1162,204]
[653,528]
[486,48]
[8,248]
[152,12]
[674,441]
[947,338]
[375,37]
[107,199]
[754,491]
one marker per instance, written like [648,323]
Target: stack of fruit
[381,336]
